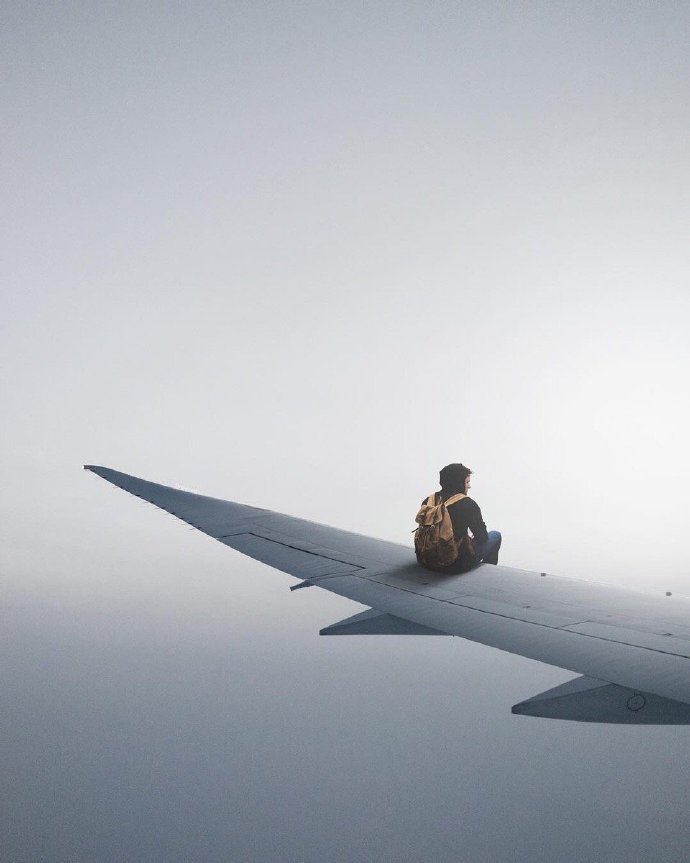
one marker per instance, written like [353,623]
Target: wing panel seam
[521,620]
[295,547]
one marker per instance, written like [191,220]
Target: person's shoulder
[470,503]
[463,502]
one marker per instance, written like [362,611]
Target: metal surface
[633,639]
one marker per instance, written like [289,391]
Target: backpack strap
[454,499]
[431,500]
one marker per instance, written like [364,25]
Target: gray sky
[300,255]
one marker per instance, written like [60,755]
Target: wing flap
[664,674]
[666,643]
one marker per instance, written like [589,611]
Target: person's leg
[488,551]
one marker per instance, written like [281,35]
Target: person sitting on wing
[462,552]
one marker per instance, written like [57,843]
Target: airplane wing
[632,648]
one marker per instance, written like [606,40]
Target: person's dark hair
[453,476]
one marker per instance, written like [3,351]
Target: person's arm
[466,514]
[476,522]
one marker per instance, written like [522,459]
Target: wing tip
[104,472]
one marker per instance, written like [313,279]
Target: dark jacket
[466,514]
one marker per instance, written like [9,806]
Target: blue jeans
[487,552]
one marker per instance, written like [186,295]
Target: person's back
[474,543]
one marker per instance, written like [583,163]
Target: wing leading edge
[633,648]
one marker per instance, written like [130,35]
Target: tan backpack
[434,542]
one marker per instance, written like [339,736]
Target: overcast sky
[301,255]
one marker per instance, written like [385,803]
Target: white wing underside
[637,641]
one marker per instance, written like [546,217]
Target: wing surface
[637,640]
